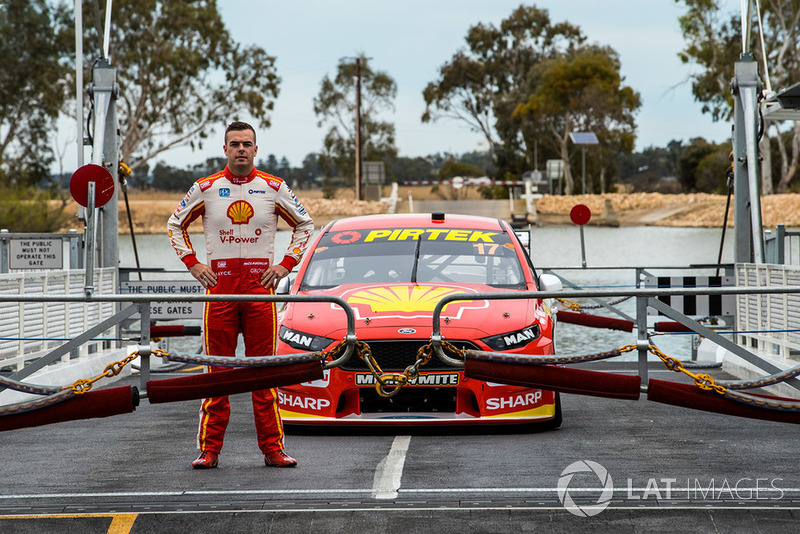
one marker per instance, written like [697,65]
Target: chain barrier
[389,384]
[84,385]
[455,351]
[37,404]
[570,304]
[727,388]
[703,381]
[250,361]
[55,395]
[336,352]
[574,306]
[28,388]
[762,381]
[762,402]
[554,359]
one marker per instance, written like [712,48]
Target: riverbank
[150,210]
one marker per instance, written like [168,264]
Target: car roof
[416,220]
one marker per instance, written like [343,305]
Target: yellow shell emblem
[240,212]
[400,298]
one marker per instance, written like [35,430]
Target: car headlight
[513,340]
[303,341]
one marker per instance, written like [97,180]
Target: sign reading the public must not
[36,254]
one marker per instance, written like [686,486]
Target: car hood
[383,310]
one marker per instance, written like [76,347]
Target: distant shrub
[28,209]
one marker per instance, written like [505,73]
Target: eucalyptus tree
[33,89]
[483,84]
[578,92]
[181,73]
[713,35]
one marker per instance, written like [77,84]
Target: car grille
[395,356]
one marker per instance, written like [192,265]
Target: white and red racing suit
[240,217]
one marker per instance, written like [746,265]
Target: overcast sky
[411,39]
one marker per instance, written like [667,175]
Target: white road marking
[390,470]
[659,507]
[793,493]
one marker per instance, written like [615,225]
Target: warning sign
[168,310]
[36,254]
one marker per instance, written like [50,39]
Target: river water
[551,247]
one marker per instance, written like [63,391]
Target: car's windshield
[414,255]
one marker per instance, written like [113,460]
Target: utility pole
[358,129]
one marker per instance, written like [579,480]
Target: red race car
[393,270]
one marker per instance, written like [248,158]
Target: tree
[335,105]
[168,178]
[270,165]
[33,89]
[712,171]
[21,209]
[208,167]
[307,175]
[479,159]
[482,85]
[140,177]
[404,169]
[181,74]
[453,168]
[583,92]
[284,166]
[652,169]
[714,42]
[703,166]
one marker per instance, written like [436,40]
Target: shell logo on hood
[408,301]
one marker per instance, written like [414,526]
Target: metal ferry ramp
[672,469]
[635,466]
[131,473]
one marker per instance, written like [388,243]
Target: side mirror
[550,282]
[284,285]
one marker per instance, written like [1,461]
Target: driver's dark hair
[239,126]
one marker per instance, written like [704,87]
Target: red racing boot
[279,459]
[206,460]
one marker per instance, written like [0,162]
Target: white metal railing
[769,323]
[782,246]
[28,332]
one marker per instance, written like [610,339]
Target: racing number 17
[482,248]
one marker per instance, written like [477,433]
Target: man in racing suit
[240,207]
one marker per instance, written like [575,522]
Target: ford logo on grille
[406,331]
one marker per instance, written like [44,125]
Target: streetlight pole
[358,129]
[583,139]
[583,168]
